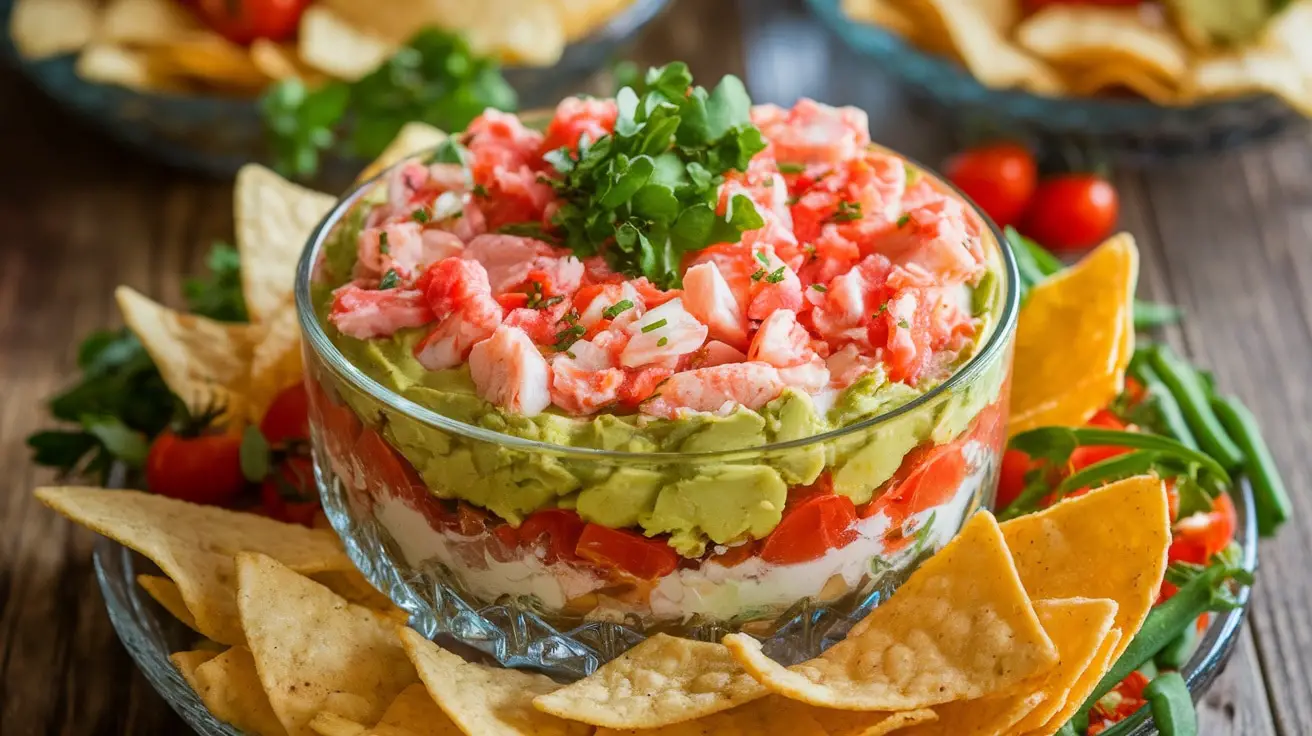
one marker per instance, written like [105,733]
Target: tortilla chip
[484,700]
[886,14]
[1109,543]
[314,650]
[274,221]
[195,545]
[45,28]
[166,593]
[413,138]
[960,627]
[206,57]
[275,60]
[229,686]
[769,715]
[413,713]
[1253,71]
[337,48]
[204,362]
[145,22]
[275,362]
[661,681]
[579,18]
[1091,35]
[1115,75]
[187,662]
[989,55]
[871,723]
[1101,662]
[352,585]
[107,64]
[1062,382]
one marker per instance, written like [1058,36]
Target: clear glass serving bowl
[1134,130]
[150,634]
[389,467]
[217,135]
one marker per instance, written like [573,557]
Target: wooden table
[1227,238]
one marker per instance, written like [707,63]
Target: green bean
[1176,654]
[1148,315]
[1191,394]
[1168,409]
[1269,494]
[1172,705]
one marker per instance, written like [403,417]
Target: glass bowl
[389,468]
[150,634]
[217,135]
[1131,129]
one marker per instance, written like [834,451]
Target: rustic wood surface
[1225,237]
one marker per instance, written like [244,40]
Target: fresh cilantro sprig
[434,78]
[120,401]
[648,193]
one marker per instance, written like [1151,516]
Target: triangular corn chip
[194,545]
[1109,543]
[187,662]
[484,700]
[1074,339]
[275,362]
[314,650]
[413,713]
[869,723]
[229,686]
[960,627]
[1101,662]
[166,593]
[769,715]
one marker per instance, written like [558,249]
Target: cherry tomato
[289,493]
[202,469]
[288,417]
[811,528]
[555,531]
[999,177]
[1087,455]
[626,551]
[1011,477]
[1071,212]
[243,21]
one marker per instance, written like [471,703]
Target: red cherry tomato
[1072,212]
[555,531]
[626,551]
[288,417]
[811,528]
[243,21]
[203,469]
[289,493]
[1085,456]
[1011,477]
[999,177]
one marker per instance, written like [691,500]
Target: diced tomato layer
[640,384]
[1011,477]
[627,552]
[811,528]
[1199,536]
[929,476]
[554,531]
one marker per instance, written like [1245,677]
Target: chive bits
[616,309]
[654,326]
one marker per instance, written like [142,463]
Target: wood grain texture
[1228,238]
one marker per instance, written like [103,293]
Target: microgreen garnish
[616,309]
[847,211]
[776,275]
[654,325]
[390,280]
[758,274]
[903,324]
[420,216]
[903,220]
[479,191]
[383,246]
[649,192]
[882,308]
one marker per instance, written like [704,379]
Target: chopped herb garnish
[758,274]
[776,275]
[654,325]
[903,220]
[528,230]
[903,324]
[661,342]
[571,317]
[568,337]
[552,301]
[390,280]
[791,201]
[847,211]
[882,308]
[648,193]
[383,246]
[420,216]
[479,191]
[820,287]
[616,309]
[786,167]
[760,256]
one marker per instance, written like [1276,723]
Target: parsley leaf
[648,193]
[218,296]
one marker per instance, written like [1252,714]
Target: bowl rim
[998,341]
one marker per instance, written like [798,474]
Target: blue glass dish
[1130,128]
[216,135]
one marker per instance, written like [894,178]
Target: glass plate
[150,633]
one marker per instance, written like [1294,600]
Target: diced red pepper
[811,528]
[627,552]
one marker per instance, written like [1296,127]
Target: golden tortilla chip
[960,627]
[194,545]
[1109,543]
[206,57]
[314,650]
[1059,381]
[45,28]
[274,221]
[204,362]
[1115,75]
[484,700]
[661,681]
[1101,662]
[145,22]
[187,662]
[869,723]
[1091,35]
[352,585]
[579,18]
[337,48]
[229,686]
[107,64]
[886,14]
[275,60]
[413,713]
[769,715]
[166,593]
[275,361]
[413,138]
[989,55]
[1254,70]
